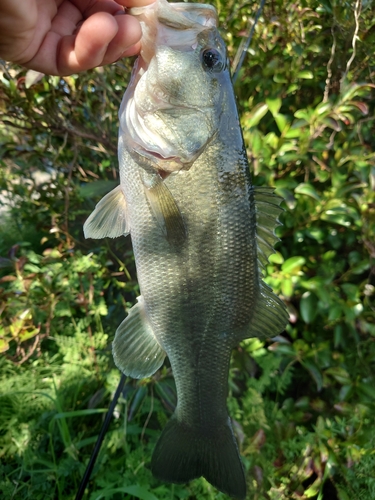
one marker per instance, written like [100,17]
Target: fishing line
[244,45]
[99,441]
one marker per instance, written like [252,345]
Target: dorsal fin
[270,315]
[267,206]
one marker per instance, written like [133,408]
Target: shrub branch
[357,13]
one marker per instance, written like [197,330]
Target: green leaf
[308,190]
[167,391]
[4,346]
[323,107]
[274,105]
[287,287]
[303,114]
[367,388]
[305,75]
[308,307]
[80,413]
[338,213]
[335,312]
[255,115]
[339,374]
[313,490]
[137,401]
[135,490]
[342,494]
[282,348]
[28,334]
[281,122]
[355,89]
[331,123]
[276,258]
[293,265]
[279,78]
[338,336]
[314,372]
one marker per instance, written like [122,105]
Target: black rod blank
[99,441]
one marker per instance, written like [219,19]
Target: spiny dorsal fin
[109,218]
[267,206]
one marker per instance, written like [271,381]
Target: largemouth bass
[200,232]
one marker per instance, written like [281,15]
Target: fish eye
[212,60]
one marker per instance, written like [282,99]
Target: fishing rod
[99,441]
[244,45]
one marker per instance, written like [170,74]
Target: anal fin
[136,351]
[109,218]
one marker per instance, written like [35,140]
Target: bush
[302,403]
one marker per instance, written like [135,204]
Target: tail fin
[181,455]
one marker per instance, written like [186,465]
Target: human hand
[61,37]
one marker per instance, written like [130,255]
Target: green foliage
[302,403]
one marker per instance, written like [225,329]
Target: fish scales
[194,217]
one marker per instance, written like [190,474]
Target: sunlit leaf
[255,115]
[305,74]
[274,105]
[4,345]
[308,190]
[293,264]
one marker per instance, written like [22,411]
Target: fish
[201,235]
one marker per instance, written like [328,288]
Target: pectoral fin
[136,351]
[164,208]
[110,217]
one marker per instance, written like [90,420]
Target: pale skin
[62,37]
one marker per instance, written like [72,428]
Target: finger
[131,51]
[90,8]
[66,19]
[134,3]
[89,47]
[125,42]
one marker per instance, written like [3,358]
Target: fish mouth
[152,124]
[167,164]
[150,140]
[180,22]
[164,164]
